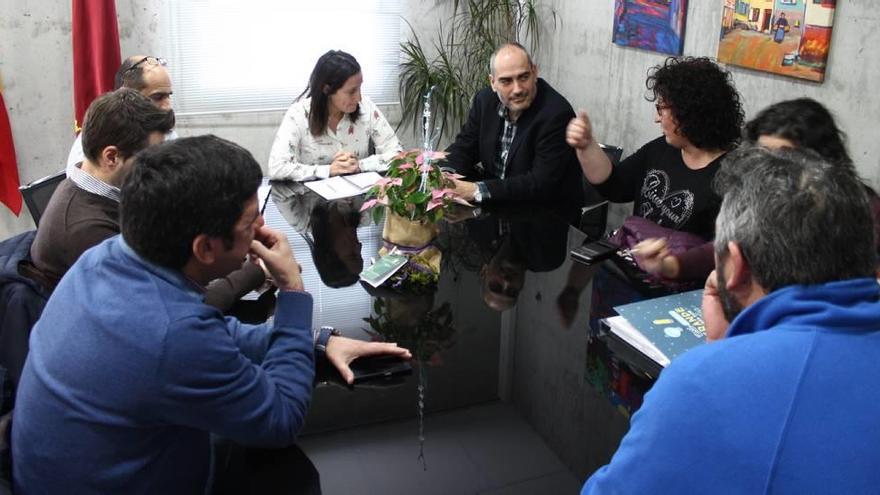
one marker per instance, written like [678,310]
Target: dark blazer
[540,164]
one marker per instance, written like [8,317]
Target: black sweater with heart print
[664,190]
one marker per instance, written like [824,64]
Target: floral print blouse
[297,155]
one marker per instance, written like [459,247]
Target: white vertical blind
[234,55]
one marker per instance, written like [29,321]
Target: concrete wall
[609,81]
[578,59]
[37,70]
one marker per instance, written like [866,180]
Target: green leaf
[419,197]
[409,181]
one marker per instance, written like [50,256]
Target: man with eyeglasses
[149,76]
[512,146]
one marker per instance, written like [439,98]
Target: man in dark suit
[512,146]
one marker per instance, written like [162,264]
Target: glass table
[507,321]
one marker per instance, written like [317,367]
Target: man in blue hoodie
[786,401]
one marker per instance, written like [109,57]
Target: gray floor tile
[469,451]
[559,483]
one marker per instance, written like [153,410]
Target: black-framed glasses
[148,60]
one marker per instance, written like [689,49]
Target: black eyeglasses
[660,107]
[149,60]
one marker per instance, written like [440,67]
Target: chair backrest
[594,214]
[38,193]
[614,153]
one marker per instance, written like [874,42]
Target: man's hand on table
[465,189]
[270,246]
[341,351]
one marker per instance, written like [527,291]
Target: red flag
[9,193]
[95,51]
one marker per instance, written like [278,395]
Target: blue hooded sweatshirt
[787,403]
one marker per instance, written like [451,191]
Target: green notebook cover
[672,323]
[383,269]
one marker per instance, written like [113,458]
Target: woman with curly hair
[806,123]
[670,178]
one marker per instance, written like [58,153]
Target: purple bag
[636,229]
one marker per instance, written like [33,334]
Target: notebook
[344,186]
[662,328]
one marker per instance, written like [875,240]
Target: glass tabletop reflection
[506,320]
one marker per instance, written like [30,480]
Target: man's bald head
[510,50]
[147,75]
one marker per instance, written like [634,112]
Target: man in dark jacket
[513,145]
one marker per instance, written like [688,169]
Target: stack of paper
[344,186]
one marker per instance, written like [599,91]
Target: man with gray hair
[513,144]
[148,76]
[785,401]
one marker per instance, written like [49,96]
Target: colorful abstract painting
[656,25]
[787,37]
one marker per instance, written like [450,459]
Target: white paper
[363,180]
[344,186]
[621,327]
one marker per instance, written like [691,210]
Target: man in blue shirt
[129,372]
[786,401]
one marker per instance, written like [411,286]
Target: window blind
[257,55]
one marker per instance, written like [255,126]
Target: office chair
[594,213]
[36,194]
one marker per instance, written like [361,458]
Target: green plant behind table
[463,47]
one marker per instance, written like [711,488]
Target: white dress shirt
[297,155]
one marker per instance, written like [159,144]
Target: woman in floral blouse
[329,132]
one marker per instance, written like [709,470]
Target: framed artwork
[656,25]
[786,37]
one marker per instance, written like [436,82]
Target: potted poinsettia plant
[414,195]
[414,188]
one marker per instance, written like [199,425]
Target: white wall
[578,59]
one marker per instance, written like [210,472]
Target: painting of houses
[787,37]
[656,25]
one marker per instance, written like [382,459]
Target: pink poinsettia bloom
[438,155]
[426,168]
[450,175]
[442,193]
[420,159]
[389,181]
[369,204]
[405,166]
[434,203]
[458,199]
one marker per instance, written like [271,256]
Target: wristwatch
[323,336]
[479,192]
